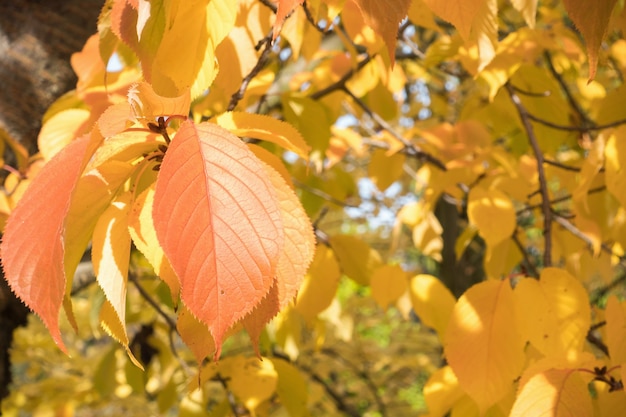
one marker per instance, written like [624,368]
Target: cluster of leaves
[504,115]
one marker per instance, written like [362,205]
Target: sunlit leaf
[492,212]
[557,392]
[592,21]
[292,388]
[285,8]
[616,330]
[218,221]
[432,302]
[264,127]
[320,284]
[485,351]
[33,245]
[442,391]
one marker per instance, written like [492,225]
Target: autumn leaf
[218,221]
[485,351]
[492,212]
[33,245]
[557,392]
[432,302]
[284,9]
[385,18]
[592,20]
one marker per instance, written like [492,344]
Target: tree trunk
[37,38]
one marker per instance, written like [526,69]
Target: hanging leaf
[385,18]
[441,392]
[218,221]
[33,245]
[592,20]
[195,334]
[616,330]
[356,258]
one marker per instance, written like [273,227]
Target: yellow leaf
[432,301]
[615,317]
[60,130]
[388,283]
[385,169]
[461,13]
[356,258]
[292,388]
[111,254]
[311,119]
[420,15]
[186,56]
[484,350]
[592,165]
[251,380]
[146,103]
[441,392]
[553,313]
[195,335]
[110,322]
[492,212]
[555,392]
[273,161]
[265,128]
[141,228]
[592,20]
[615,162]
[528,9]
[608,403]
[320,284]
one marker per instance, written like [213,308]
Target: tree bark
[37,38]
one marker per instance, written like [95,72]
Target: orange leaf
[194,334]
[218,221]
[285,8]
[255,321]
[33,244]
[591,19]
[385,17]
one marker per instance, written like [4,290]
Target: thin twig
[260,64]
[322,194]
[340,83]
[543,182]
[582,115]
[576,128]
[531,269]
[410,148]
[232,402]
[531,207]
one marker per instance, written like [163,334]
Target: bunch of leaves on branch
[435,186]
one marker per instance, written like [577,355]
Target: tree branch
[260,64]
[410,148]
[543,182]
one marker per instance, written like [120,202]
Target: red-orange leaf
[219,223]
[33,245]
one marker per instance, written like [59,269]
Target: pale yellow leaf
[432,302]
[320,284]
[185,58]
[60,130]
[110,322]
[556,392]
[427,236]
[492,212]
[263,127]
[141,228]
[356,258]
[111,254]
[388,283]
[482,347]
